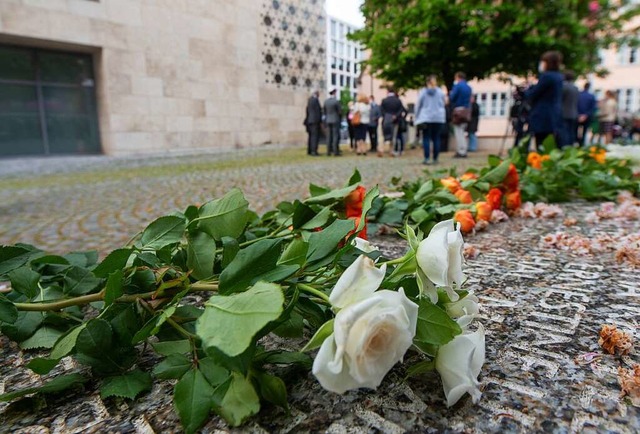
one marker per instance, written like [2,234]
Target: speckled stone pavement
[545,372]
[99,203]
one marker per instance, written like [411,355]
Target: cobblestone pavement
[98,203]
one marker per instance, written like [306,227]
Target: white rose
[459,363]
[464,311]
[359,281]
[440,259]
[369,338]
[363,245]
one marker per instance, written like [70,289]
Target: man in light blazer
[333,116]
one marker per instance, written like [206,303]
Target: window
[348,68]
[348,81]
[334,32]
[334,63]
[334,47]
[628,55]
[503,104]
[492,104]
[333,79]
[341,80]
[628,101]
[482,103]
[340,64]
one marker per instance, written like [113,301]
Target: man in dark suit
[333,116]
[392,110]
[312,122]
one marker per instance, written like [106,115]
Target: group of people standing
[435,108]
[555,107]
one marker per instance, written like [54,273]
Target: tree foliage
[408,40]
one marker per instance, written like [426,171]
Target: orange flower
[465,218]
[451,184]
[544,158]
[598,154]
[534,160]
[468,176]
[494,198]
[483,211]
[511,180]
[463,196]
[513,200]
[363,233]
[354,200]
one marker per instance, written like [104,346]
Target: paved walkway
[86,203]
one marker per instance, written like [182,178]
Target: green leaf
[318,221]
[325,242]
[318,338]
[212,371]
[230,248]
[173,367]
[192,397]
[280,357]
[302,213]
[355,178]
[249,263]
[8,311]
[95,338]
[23,327]
[434,324]
[44,337]
[240,402]
[201,254]
[12,258]
[424,190]
[116,260]
[25,281]
[241,316]
[163,232]
[293,327]
[67,343]
[333,195]
[80,281]
[273,389]
[128,385]
[366,206]
[42,366]
[56,385]
[153,325]
[295,253]
[82,259]
[167,348]
[497,175]
[114,287]
[224,217]
[421,368]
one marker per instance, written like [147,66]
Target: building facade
[150,76]
[343,57]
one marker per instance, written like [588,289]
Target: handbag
[460,115]
[355,120]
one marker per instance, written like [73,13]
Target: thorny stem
[91,298]
[311,290]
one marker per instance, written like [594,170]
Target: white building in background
[343,57]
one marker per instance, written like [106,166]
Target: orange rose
[465,218]
[513,200]
[463,196]
[451,184]
[598,154]
[363,232]
[494,198]
[544,158]
[483,211]
[468,176]
[534,160]
[511,180]
[354,200]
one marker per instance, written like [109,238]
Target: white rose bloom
[364,245]
[440,259]
[369,338]
[459,363]
[359,281]
[464,311]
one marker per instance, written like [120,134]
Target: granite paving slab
[545,372]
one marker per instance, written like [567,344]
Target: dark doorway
[47,103]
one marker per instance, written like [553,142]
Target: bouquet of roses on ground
[300,270]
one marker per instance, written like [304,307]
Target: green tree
[345,99]
[409,40]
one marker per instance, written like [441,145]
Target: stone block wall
[185,74]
